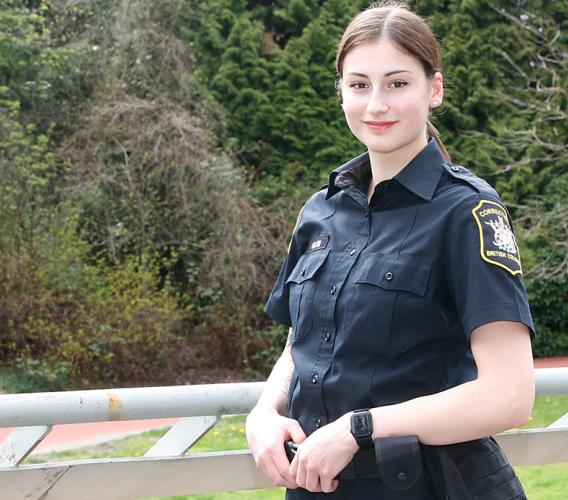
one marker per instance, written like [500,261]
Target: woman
[402,287]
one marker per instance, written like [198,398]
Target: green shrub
[32,375]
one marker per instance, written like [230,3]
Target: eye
[358,85]
[398,84]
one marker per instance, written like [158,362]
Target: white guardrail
[165,470]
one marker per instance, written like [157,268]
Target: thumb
[296,432]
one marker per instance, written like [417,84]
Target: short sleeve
[277,306]
[484,265]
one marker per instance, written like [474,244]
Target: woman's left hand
[323,455]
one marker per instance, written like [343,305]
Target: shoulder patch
[497,241]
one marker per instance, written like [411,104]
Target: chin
[388,145]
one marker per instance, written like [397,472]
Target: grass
[228,434]
[541,482]
[545,482]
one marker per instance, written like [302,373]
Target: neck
[386,165]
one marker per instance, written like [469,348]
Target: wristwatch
[362,428]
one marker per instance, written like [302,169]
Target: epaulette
[463,174]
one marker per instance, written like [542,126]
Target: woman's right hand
[267,431]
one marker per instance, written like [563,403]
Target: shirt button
[366,216]
[303,271]
[388,276]
[455,168]
[333,288]
[317,422]
[352,252]
[315,379]
[402,477]
[326,337]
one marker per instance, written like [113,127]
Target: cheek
[411,107]
[353,108]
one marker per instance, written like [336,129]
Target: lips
[384,125]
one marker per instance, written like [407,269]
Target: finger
[328,485]
[279,480]
[296,432]
[282,464]
[270,470]
[293,468]
[312,481]
[300,473]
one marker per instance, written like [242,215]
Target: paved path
[70,436]
[64,437]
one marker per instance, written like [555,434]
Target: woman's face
[386,98]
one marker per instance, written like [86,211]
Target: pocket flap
[399,460]
[396,272]
[308,266]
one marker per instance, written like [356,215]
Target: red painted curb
[558,362]
[69,436]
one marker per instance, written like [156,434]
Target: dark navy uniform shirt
[383,296]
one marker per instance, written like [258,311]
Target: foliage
[153,162]
[129,192]
[31,375]
[71,323]
[504,114]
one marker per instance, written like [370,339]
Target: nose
[377,103]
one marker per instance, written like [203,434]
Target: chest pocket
[302,282]
[388,301]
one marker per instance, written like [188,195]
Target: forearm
[275,394]
[468,411]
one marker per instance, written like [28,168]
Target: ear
[437,90]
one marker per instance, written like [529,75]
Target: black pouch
[399,460]
[473,470]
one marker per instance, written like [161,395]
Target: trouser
[400,468]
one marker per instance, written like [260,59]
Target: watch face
[361,424]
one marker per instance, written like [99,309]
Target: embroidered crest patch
[497,241]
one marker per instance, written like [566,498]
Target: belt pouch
[399,461]
[472,470]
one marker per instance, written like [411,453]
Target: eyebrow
[390,73]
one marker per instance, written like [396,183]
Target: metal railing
[165,470]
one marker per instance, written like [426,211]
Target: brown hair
[403,27]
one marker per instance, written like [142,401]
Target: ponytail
[432,133]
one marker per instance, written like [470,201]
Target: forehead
[379,57]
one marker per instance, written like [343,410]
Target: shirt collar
[421,175]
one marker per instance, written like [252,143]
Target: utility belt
[412,471]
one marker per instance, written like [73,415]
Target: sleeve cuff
[277,312]
[498,312]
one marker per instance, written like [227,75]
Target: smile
[379,125]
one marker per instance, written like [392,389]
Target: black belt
[396,461]
[411,471]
